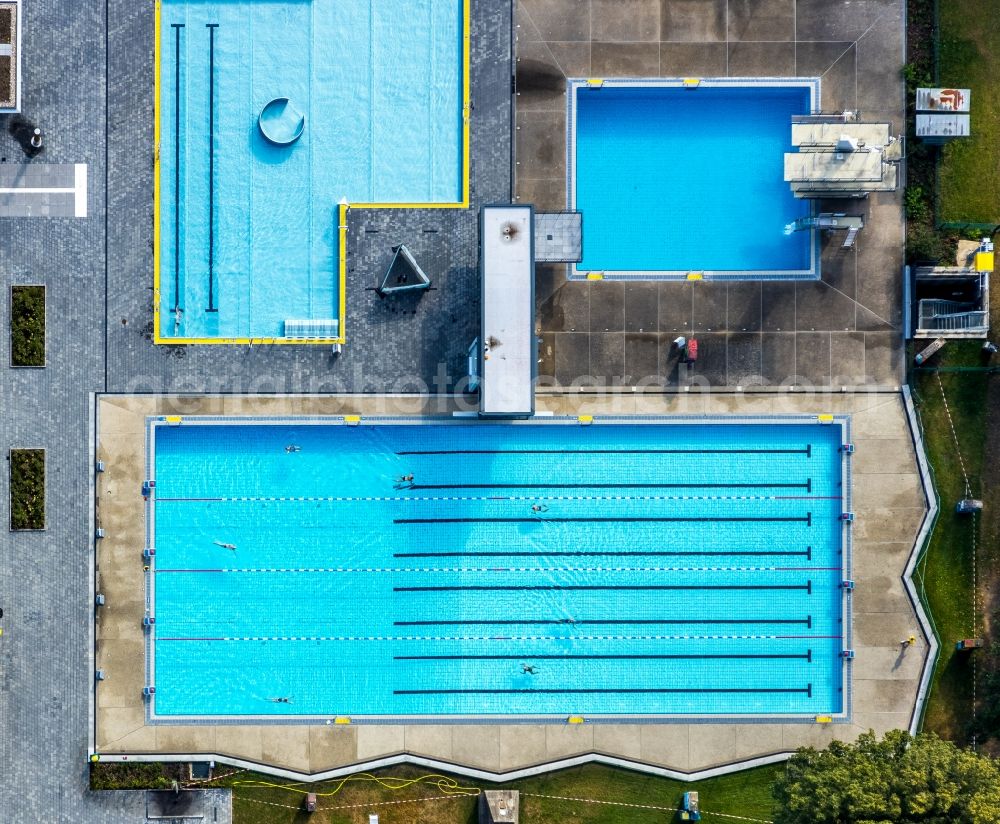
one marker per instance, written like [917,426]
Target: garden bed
[27,326]
[27,489]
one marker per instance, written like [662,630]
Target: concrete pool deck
[842,330]
[889,501]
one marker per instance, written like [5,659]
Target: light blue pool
[673,180]
[670,569]
[248,229]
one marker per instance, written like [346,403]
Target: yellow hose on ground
[445,784]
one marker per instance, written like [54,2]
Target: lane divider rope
[546,569]
[480,499]
[495,638]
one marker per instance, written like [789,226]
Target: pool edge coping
[152,422]
[574,84]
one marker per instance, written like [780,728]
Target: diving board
[507,358]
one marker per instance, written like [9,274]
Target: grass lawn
[746,794]
[27,326]
[970,58]
[946,571]
[27,489]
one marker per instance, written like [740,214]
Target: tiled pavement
[88,84]
[843,330]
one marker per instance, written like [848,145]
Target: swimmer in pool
[230,547]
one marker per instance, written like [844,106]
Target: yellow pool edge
[342,208]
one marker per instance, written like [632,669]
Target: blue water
[380,83]
[351,596]
[670,179]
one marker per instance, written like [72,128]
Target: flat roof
[507,367]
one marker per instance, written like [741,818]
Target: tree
[987,723]
[898,779]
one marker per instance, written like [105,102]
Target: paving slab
[368,742]
[761,20]
[625,59]
[666,744]
[698,21]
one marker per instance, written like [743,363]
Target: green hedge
[27,326]
[133,775]
[27,489]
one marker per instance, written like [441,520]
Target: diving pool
[664,568]
[247,230]
[674,180]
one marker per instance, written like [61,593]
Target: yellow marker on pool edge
[575,719]
[342,719]
[825,418]
[824,719]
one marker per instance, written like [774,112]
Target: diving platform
[826,136]
[837,157]
[507,346]
[834,167]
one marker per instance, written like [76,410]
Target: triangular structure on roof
[404,274]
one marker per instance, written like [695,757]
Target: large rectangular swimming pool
[673,180]
[412,568]
[248,229]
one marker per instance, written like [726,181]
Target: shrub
[924,244]
[27,489]
[133,775]
[27,325]
[916,204]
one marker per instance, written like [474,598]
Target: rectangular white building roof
[508,348]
